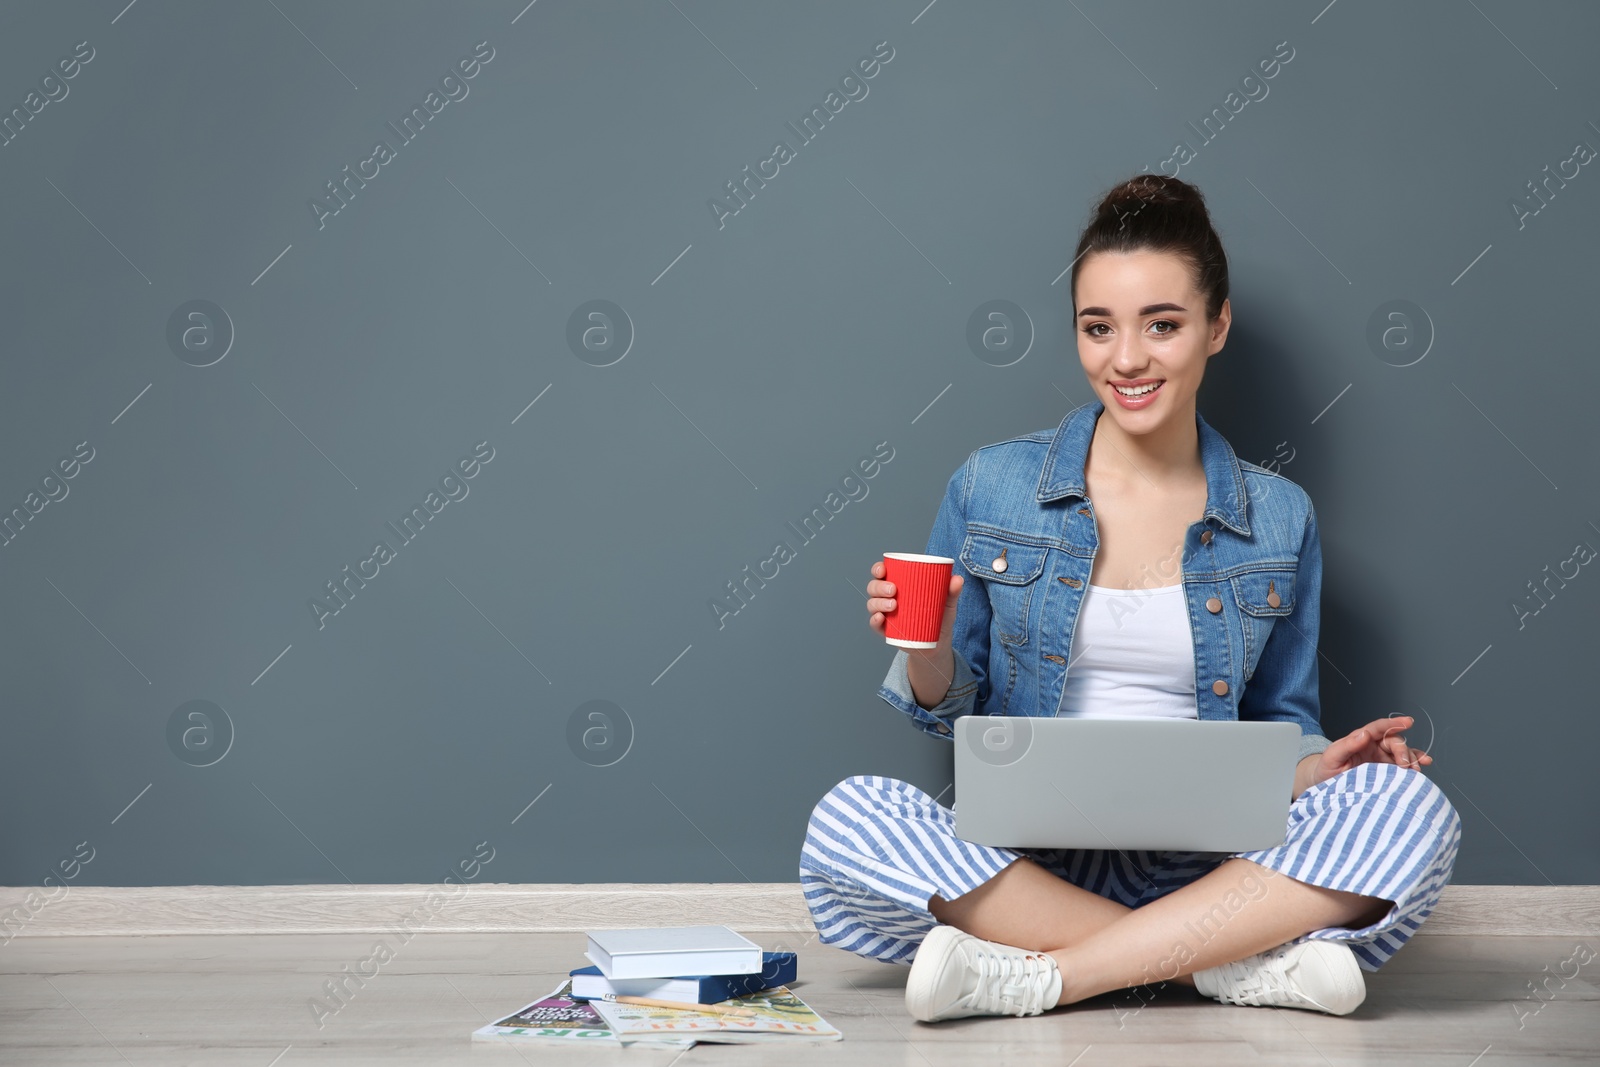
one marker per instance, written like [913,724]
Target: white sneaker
[956,974]
[1318,975]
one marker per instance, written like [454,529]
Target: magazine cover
[780,1016]
[558,1017]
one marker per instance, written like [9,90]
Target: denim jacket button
[944,728]
[999,565]
[1205,537]
[1219,687]
[1213,605]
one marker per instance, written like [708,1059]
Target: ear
[1219,328]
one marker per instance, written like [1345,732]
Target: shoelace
[1009,984]
[1252,981]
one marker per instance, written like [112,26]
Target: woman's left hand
[1380,741]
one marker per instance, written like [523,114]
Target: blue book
[777,968]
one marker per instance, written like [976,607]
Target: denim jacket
[1251,573]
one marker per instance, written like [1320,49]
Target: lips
[1138,392]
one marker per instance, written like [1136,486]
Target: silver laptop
[1182,784]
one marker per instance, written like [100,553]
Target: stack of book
[670,987]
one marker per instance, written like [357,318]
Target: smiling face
[1143,337]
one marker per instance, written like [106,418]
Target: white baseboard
[29,911]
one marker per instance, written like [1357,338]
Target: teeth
[1137,390]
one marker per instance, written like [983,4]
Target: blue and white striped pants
[877,849]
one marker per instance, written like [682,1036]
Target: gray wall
[364,354]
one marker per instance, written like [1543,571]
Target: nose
[1129,359]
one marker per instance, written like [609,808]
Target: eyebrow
[1148,309]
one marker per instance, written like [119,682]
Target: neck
[1169,453]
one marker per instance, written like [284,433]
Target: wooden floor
[241,999]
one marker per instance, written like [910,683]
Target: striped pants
[877,849]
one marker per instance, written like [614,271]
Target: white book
[672,951]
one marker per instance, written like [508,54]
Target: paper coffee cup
[921,586]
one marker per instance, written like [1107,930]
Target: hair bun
[1142,189]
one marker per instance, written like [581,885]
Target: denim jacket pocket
[1263,596]
[1010,569]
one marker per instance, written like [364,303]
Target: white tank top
[1132,655]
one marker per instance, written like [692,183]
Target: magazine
[558,1017]
[780,1016]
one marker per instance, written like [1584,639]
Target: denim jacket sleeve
[970,639]
[1284,685]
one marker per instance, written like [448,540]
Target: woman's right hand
[881,599]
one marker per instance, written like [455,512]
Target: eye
[1089,329]
[1165,322]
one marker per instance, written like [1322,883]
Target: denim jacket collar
[1062,475]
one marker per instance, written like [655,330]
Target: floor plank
[499,907]
[244,999]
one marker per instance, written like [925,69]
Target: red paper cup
[921,586]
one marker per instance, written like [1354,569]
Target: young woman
[1128,563]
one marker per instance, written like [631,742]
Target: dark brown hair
[1157,213]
